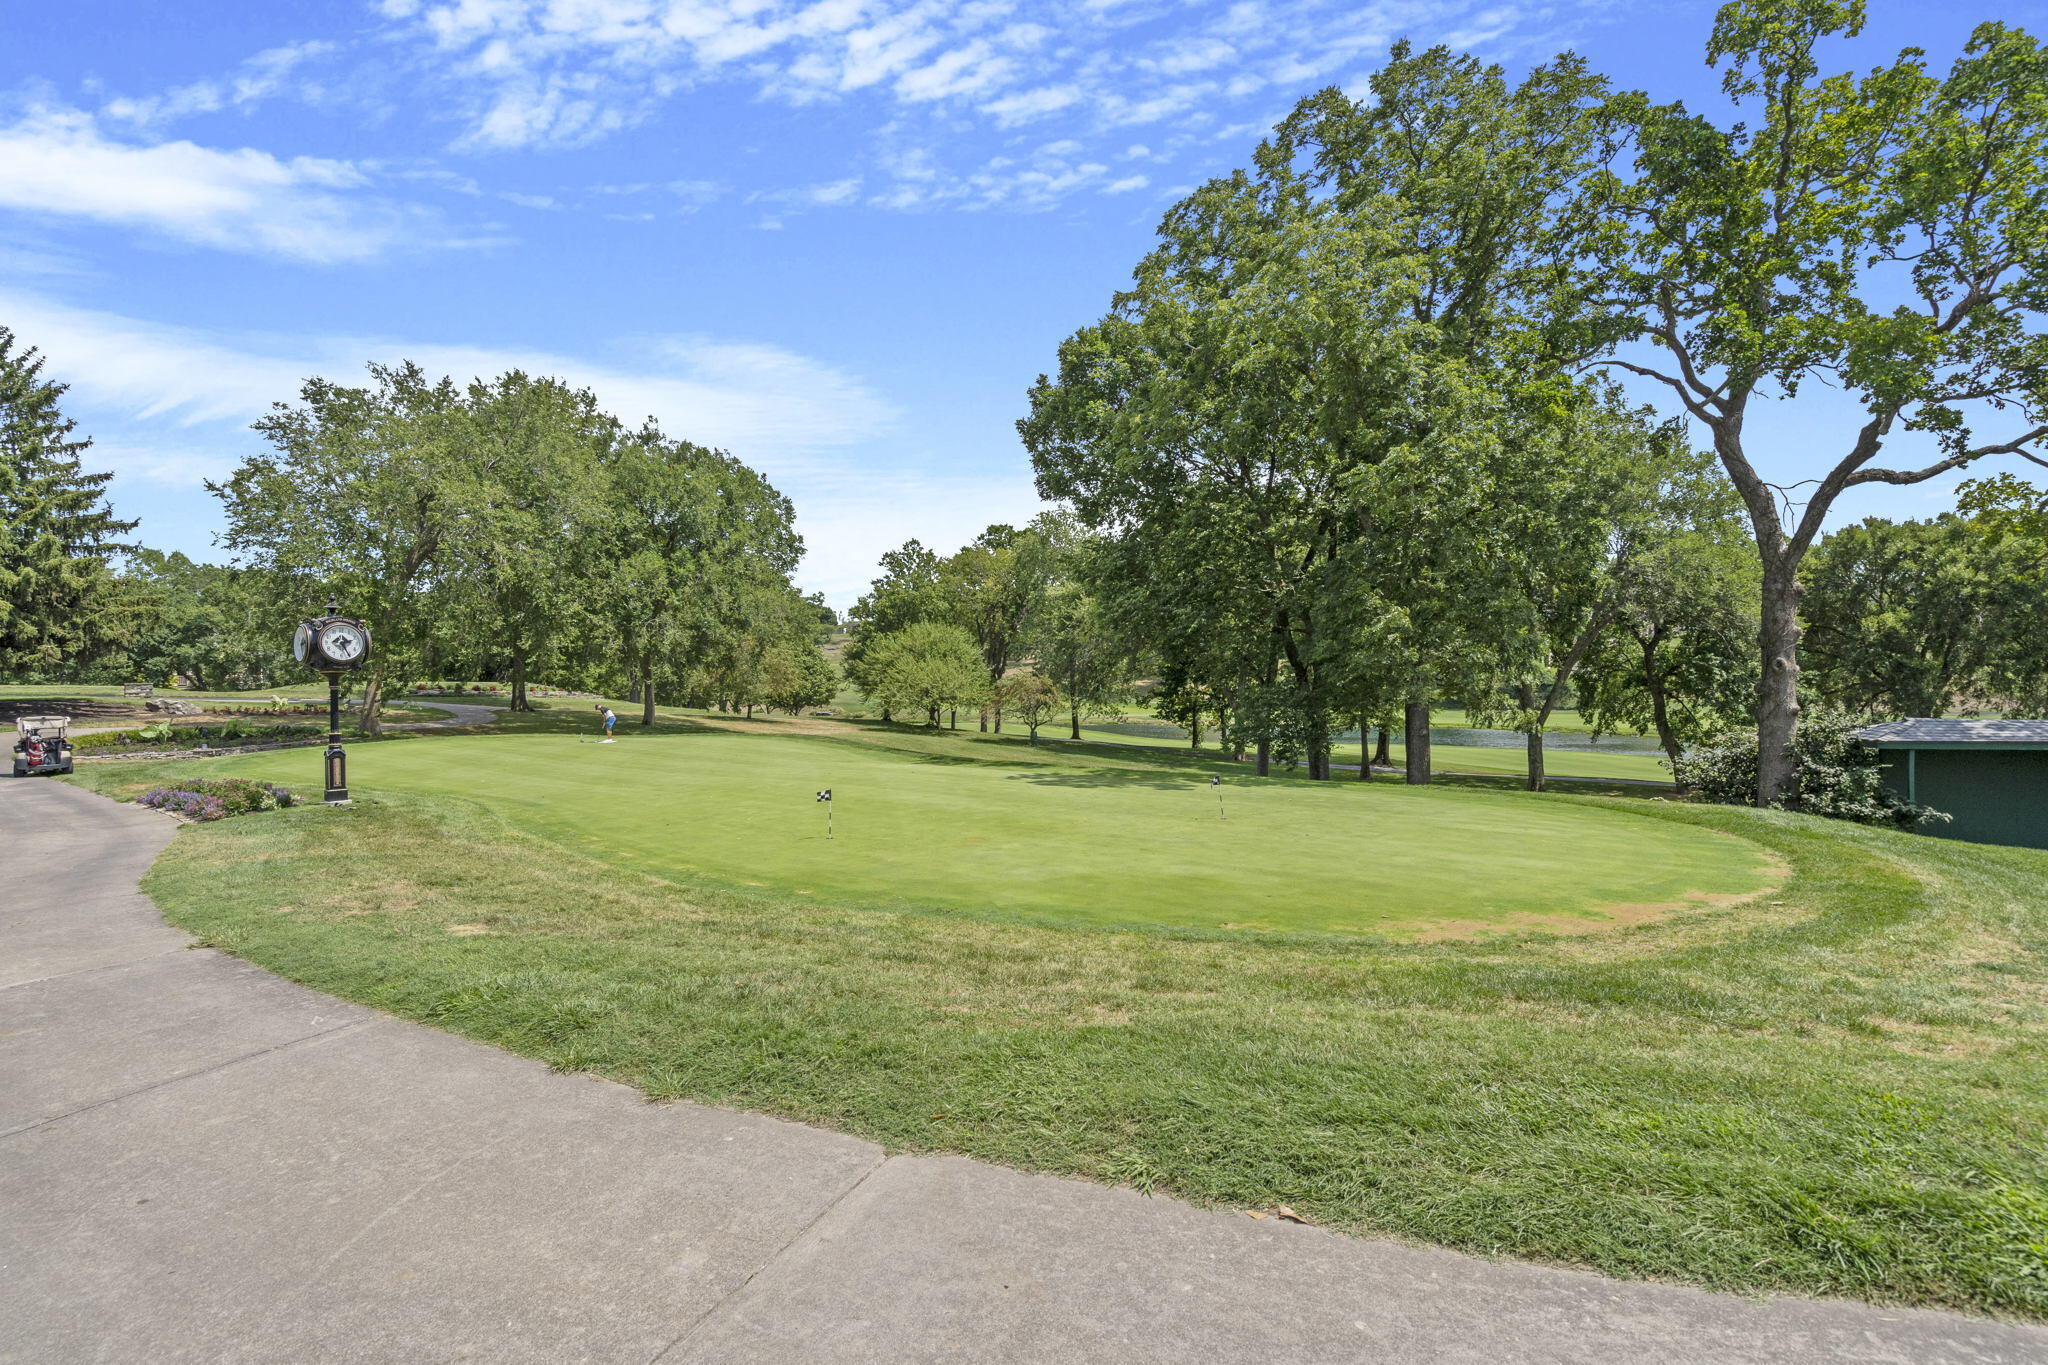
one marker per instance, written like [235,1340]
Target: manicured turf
[997,829]
[1840,1088]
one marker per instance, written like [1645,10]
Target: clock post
[333,645]
[337,757]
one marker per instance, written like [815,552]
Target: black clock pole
[337,758]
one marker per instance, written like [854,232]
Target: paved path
[202,1162]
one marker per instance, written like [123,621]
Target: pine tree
[56,530]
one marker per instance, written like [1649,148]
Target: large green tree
[533,453]
[56,530]
[1582,516]
[1339,329]
[362,491]
[691,535]
[212,625]
[910,589]
[928,666]
[1679,660]
[1881,234]
[1895,615]
[1075,644]
[2011,515]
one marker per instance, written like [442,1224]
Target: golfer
[610,718]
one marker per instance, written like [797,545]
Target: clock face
[302,642]
[342,642]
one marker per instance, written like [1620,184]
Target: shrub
[216,798]
[1833,773]
[165,736]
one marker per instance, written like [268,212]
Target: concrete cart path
[202,1162]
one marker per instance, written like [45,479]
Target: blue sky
[837,237]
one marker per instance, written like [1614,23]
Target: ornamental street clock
[334,645]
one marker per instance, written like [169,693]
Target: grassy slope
[1844,1089]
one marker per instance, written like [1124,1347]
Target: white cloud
[770,406]
[543,72]
[263,76]
[58,162]
[172,405]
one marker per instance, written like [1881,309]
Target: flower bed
[216,798]
[192,736]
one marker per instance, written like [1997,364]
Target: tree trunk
[1533,736]
[1319,751]
[1074,721]
[953,718]
[1415,738]
[1660,704]
[1381,754]
[984,720]
[1364,750]
[633,689]
[1777,691]
[750,710]
[519,701]
[647,689]
[1265,757]
[371,721]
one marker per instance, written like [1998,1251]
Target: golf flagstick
[1217,783]
[826,797]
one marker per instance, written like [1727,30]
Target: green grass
[992,828]
[1841,1088]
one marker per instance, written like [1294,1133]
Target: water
[1575,740]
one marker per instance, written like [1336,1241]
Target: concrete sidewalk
[201,1162]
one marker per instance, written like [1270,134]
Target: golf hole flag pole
[333,644]
[826,797]
[1217,783]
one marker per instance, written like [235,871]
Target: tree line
[1350,439]
[1903,618]
[507,528]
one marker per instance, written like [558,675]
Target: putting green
[1066,838]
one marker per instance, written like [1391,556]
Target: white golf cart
[43,746]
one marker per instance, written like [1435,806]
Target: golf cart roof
[30,725]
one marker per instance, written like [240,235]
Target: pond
[1577,740]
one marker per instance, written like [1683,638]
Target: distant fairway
[1056,837]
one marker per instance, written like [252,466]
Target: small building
[1991,775]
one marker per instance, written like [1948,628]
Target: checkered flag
[825,795]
